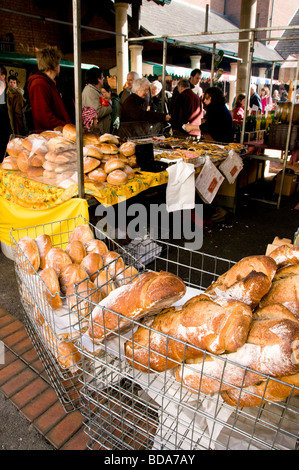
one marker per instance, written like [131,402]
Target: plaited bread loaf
[27,247]
[270,349]
[148,294]
[247,281]
[82,233]
[51,290]
[76,251]
[44,244]
[201,323]
[272,390]
[57,258]
[284,255]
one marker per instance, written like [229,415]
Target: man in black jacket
[254,98]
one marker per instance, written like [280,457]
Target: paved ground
[248,231]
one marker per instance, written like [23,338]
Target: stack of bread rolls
[238,338]
[51,157]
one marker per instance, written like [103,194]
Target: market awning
[287,72]
[24,59]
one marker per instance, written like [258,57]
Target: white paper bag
[180,191]
[231,166]
[208,181]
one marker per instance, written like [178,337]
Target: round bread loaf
[117,177]
[44,244]
[104,282]
[59,143]
[76,251]
[51,289]
[82,301]
[82,233]
[71,274]
[114,164]
[36,160]
[127,149]
[14,146]
[113,262]
[90,139]
[90,163]
[10,163]
[96,246]
[49,175]
[23,160]
[35,143]
[108,149]
[48,135]
[98,175]
[92,263]
[125,275]
[129,172]
[110,138]
[57,259]
[69,132]
[28,248]
[92,151]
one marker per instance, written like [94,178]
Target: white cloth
[180,191]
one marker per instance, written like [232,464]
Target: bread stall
[185,352]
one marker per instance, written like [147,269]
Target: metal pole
[212,64]
[288,137]
[78,93]
[164,72]
[248,82]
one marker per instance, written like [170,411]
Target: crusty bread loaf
[23,160]
[125,275]
[284,255]
[63,350]
[35,172]
[148,294]
[117,177]
[76,251]
[9,163]
[90,139]
[69,132]
[92,151]
[90,163]
[14,146]
[92,262]
[96,246]
[284,291]
[27,247]
[57,259]
[82,297]
[82,232]
[98,175]
[268,391]
[104,282]
[201,323]
[270,350]
[113,262]
[129,172]
[108,149]
[51,290]
[114,164]
[59,143]
[36,160]
[247,281]
[290,270]
[110,138]
[44,244]
[36,143]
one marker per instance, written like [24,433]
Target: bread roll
[148,294]
[44,244]
[113,262]
[49,175]
[27,247]
[62,156]
[270,350]
[36,160]
[92,263]
[110,138]
[71,274]
[247,281]
[59,144]
[9,163]
[35,143]
[35,172]
[98,175]
[51,290]
[82,233]
[200,323]
[117,177]
[48,135]
[69,132]
[90,139]
[268,391]
[284,291]
[125,275]
[23,160]
[64,351]
[82,298]
[76,251]
[92,151]
[128,149]
[90,163]
[104,282]
[14,146]
[96,246]
[114,164]
[109,149]
[290,270]
[130,172]
[57,259]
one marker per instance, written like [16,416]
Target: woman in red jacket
[48,110]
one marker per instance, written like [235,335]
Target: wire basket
[54,331]
[131,407]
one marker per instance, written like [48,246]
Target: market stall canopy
[287,72]
[24,59]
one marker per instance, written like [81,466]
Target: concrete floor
[247,232]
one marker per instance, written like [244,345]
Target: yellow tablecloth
[28,193]
[14,216]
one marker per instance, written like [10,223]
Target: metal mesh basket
[128,408]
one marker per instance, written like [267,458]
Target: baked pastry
[130,172]
[92,151]
[90,139]
[114,164]
[148,294]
